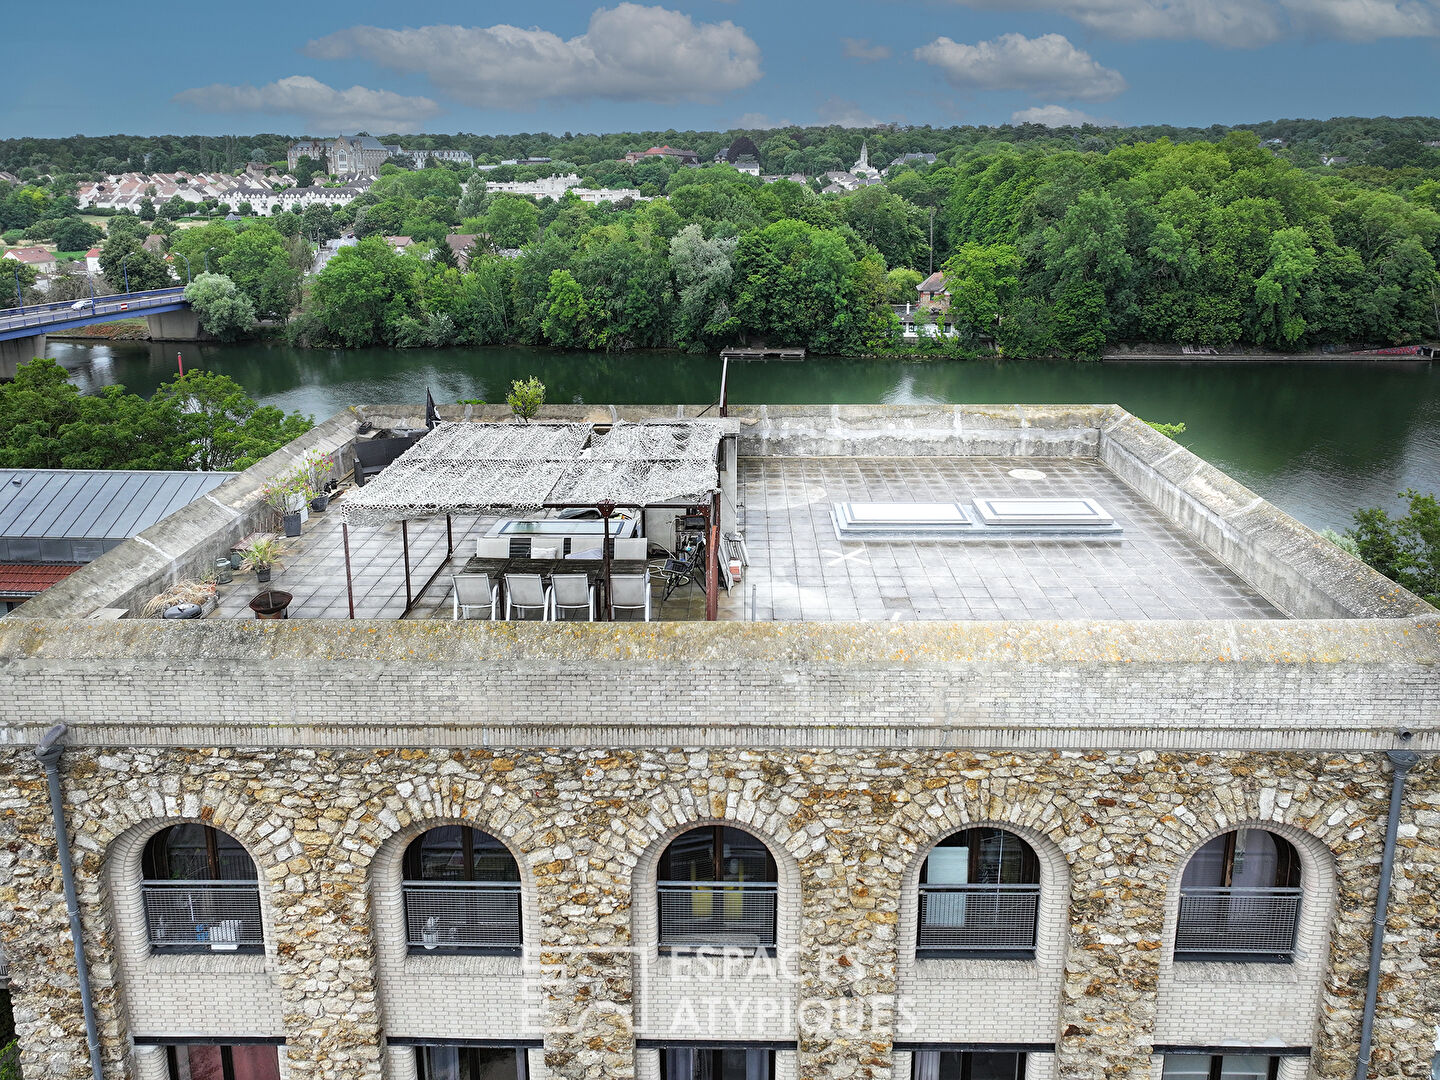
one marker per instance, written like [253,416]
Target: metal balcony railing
[695,914]
[462,915]
[1219,921]
[978,918]
[201,916]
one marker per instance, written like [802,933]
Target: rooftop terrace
[1192,544]
[799,570]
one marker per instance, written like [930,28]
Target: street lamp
[207,259]
[126,272]
[19,297]
[187,264]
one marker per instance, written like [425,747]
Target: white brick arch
[387,873]
[1318,883]
[1053,917]
[774,834]
[124,871]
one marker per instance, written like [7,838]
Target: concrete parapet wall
[1332,684]
[1292,566]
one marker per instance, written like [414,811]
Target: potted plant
[271,604]
[260,556]
[318,468]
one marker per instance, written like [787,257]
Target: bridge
[23,329]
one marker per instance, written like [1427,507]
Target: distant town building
[453,157]
[935,292]
[460,244]
[863,168]
[38,257]
[92,261]
[9,178]
[913,159]
[314,149]
[747,165]
[684,157]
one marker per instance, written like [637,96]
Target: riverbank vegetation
[1292,236]
[198,420]
[1046,252]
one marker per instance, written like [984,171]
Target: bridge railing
[47,314]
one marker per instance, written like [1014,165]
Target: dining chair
[571,592]
[474,592]
[526,592]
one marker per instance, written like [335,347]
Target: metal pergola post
[405,544]
[712,561]
[349,581]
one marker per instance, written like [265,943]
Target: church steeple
[864,154]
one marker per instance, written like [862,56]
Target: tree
[222,427]
[565,312]
[317,223]
[75,234]
[511,222]
[306,169]
[900,285]
[147,209]
[1404,549]
[361,295]
[889,223]
[125,264]
[195,421]
[259,264]
[703,271]
[526,398]
[223,310]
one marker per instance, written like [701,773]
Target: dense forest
[1062,244]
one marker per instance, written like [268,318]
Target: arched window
[717,886]
[462,892]
[979,896]
[201,892]
[1240,899]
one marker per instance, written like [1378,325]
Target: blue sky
[317,66]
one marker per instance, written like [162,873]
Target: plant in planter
[317,468]
[260,557]
[199,593]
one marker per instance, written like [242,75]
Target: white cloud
[628,53]
[322,107]
[1055,116]
[1240,23]
[1364,20]
[862,49]
[757,121]
[1047,65]
[842,113]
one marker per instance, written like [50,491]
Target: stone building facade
[1115,750]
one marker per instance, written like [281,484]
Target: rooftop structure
[1027,744]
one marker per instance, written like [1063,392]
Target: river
[1317,439]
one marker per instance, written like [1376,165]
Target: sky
[505,66]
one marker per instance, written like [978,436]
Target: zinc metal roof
[98,504]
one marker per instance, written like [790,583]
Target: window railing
[1216,922]
[696,914]
[447,915]
[203,916]
[984,919]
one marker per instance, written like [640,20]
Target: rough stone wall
[583,820]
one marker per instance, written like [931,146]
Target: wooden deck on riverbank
[762,354]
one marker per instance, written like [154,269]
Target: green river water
[1318,439]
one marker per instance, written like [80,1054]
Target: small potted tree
[317,468]
[260,556]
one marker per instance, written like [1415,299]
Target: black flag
[431,416]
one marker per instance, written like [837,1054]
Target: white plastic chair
[630,592]
[571,592]
[474,591]
[492,547]
[636,548]
[526,592]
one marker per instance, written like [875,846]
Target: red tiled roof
[26,579]
[30,255]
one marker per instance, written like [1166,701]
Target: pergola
[487,468]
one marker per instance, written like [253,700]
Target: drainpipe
[48,752]
[1404,761]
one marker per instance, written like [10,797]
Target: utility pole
[932,240]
